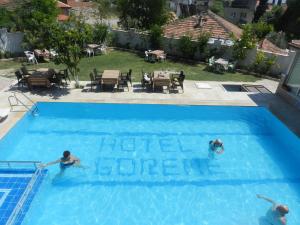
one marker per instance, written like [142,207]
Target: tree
[273,16]
[6,18]
[246,42]
[202,43]
[187,46]
[290,21]
[34,17]
[103,7]
[100,33]
[261,29]
[260,10]
[156,34]
[68,40]
[142,14]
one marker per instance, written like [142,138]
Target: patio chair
[89,52]
[97,76]
[146,80]
[64,74]
[211,62]
[26,72]
[232,66]
[93,81]
[146,56]
[30,57]
[163,57]
[21,80]
[178,81]
[123,81]
[52,53]
[129,77]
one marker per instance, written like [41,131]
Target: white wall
[282,64]
[11,42]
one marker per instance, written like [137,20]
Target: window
[243,15]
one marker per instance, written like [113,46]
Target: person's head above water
[66,154]
[218,142]
[282,209]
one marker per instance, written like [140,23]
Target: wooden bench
[38,81]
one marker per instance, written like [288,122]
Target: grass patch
[124,61]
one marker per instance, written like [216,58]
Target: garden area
[123,61]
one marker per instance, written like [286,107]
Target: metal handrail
[19,207]
[8,163]
[15,97]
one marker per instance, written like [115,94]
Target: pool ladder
[14,101]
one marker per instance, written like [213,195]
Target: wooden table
[93,46]
[41,72]
[110,77]
[161,78]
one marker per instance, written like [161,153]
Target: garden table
[110,77]
[161,78]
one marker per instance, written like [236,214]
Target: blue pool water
[148,164]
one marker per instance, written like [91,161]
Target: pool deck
[216,95]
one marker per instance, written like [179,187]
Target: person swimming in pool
[276,214]
[66,161]
[215,146]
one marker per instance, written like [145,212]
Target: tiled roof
[295,43]
[215,25]
[62,5]
[4,2]
[270,47]
[80,4]
[62,17]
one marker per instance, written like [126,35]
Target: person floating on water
[66,161]
[276,214]
[215,146]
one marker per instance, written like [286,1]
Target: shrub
[187,46]
[100,33]
[156,33]
[262,63]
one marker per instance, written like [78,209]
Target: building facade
[240,11]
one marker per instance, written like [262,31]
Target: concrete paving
[216,95]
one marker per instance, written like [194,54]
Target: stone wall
[11,42]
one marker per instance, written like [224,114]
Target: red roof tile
[295,43]
[62,5]
[270,47]
[62,17]
[80,4]
[215,25]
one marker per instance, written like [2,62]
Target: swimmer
[216,146]
[276,214]
[66,161]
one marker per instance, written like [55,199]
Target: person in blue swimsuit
[66,161]
[215,147]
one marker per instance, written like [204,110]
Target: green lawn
[124,61]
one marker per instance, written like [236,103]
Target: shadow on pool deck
[284,111]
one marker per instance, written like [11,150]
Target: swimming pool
[148,164]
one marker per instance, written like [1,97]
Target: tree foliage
[142,14]
[100,33]
[7,19]
[187,46]
[34,17]
[261,29]
[68,40]
[260,10]
[156,35]
[103,7]
[290,21]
